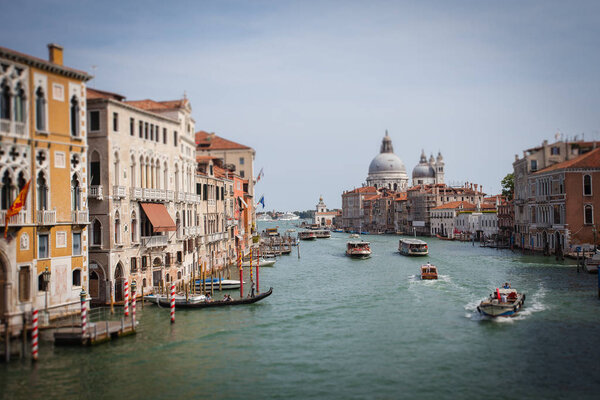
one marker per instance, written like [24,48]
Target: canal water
[338,328]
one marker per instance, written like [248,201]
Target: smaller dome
[423,171]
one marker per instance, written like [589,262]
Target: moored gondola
[219,303]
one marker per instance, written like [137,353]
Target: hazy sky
[312,86]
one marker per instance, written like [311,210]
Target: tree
[508,186]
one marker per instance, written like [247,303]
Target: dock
[103,326]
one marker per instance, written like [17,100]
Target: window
[588,212]
[43,250]
[146,130]
[534,165]
[133,264]
[175,138]
[96,233]
[242,174]
[141,129]
[117,228]
[115,122]
[94,120]
[168,260]
[241,160]
[131,127]
[157,133]
[179,256]
[204,192]
[5,102]
[42,192]
[144,262]
[40,110]
[133,228]
[95,169]
[587,185]
[75,193]
[24,284]
[165,135]
[74,110]
[77,244]
[555,151]
[151,131]
[76,277]
[20,104]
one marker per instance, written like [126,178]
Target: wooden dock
[97,332]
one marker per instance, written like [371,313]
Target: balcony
[155,241]
[12,127]
[136,193]
[170,195]
[19,219]
[46,217]
[95,191]
[80,217]
[180,197]
[119,192]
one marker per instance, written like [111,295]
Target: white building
[322,216]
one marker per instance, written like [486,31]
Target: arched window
[75,193]
[166,176]
[76,277]
[42,192]
[588,212]
[74,116]
[19,104]
[133,227]
[142,174]
[95,169]
[5,102]
[96,233]
[6,193]
[40,110]
[117,228]
[587,185]
[144,282]
[132,173]
[176,178]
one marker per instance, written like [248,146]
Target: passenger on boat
[506,285]
[208,298]
[503,298]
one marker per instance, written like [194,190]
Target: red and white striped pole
[133,295]
[83,296]
[126,303]
[257,268]
[241,273]
[251,256]
[34,335]
[172,303]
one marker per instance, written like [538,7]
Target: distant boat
[263,262]
[179,298]
[429,272]
[289,217]
[306,235]
[413,247]
[264,217]
[226,284]
[323,234]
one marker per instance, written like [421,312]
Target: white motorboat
[179,298]
[264,262]
[503,303]
[226,284]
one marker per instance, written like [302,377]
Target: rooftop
[210,141]
[587,160]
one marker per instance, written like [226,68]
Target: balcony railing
[79,217]
[180,197]
[136,193]
[95,191]
[12,127]
[46,217]
[119,192]
[19,219]
[170,195]
[155,241]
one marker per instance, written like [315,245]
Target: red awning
[159,217]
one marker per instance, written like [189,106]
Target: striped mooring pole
[83,296]
[133,295]
[241,273]
[257,268]
[34,335]
[172,303]
[251,256]
[126,299]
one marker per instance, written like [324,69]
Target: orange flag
[16,206]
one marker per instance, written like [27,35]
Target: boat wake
[533,304]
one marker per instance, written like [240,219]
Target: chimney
[55,54]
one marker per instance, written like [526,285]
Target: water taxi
[307,235]
[358,249]
[428,272]
[502,303]
[323,234]
[413,247]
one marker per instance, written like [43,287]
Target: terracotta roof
[453,205]
[587,160]
[401,196]
[43,64]
[210,141]
[101,94]
[372,197]
[147,104]
[204,159]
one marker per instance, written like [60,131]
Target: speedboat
[264,262]
[225,284]
[429,272]
[502,303]
[358,249]
[412,247]
[354,236]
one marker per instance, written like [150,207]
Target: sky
[313,85]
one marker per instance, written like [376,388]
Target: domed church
[387,169]
[428,172]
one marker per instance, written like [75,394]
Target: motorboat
[412,247]
[429,272]
[502,303]
[179,298]
[358,249]
[306,235]
[264,262]
[323,234]
[591,264]
[224,284]
[354,236]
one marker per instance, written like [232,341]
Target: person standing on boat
[252,288]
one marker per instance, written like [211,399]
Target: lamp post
[46,276]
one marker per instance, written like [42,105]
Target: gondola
[219,303]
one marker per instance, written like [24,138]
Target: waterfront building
[323,217]
[352,206]
[428,172]
[563,211]
[533,160]
[236,158]
[387,169]
[383,212]
[443,218]
[401,211]
[506,220]
[43,120]
[143,200]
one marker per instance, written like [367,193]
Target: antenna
[94,76]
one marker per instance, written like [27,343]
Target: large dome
[386,163]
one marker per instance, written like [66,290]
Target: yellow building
[42,140]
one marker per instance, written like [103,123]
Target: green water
[337,328]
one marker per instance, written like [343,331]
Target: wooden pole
[298,248]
